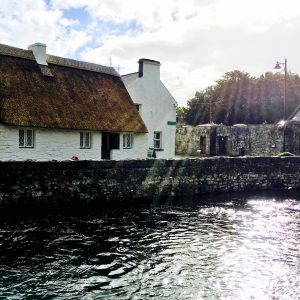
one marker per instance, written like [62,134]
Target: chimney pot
[149,67]
[39,52]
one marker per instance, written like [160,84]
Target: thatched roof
[66,94]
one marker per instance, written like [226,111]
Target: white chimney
[149,68]
[39,52]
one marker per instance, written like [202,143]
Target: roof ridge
[16,52]
[56,60]
[73,63]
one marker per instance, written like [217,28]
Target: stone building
[239,139]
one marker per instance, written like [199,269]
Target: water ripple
[217,251]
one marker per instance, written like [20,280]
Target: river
[237,247]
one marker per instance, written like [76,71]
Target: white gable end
[158,107]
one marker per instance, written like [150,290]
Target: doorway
[222,142]
[202,144]
[110,141]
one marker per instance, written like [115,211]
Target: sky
[196,41]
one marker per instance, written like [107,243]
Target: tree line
[240,98]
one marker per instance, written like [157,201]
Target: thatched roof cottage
[55,108]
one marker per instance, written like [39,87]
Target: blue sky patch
[121,28]
[78,14]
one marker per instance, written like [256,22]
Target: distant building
[240,139]
[156,106]
[292,132]
[55,108]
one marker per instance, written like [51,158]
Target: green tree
[240,98]
[181,112]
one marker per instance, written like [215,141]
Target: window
[157,140]
[202,144]
[138,107]
[127,140]
[85,140]
[26,138]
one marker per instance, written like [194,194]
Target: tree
[181,112]
[198,108]
[240,98]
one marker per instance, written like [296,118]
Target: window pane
[29,138]
[127,140]
[124,140]
[81,139]
[157,140]
[87,140]
[131,141]
[21,138]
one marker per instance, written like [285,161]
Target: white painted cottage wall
[138,151]
[62,145]
[48,144]
[158,106]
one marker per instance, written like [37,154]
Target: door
[222,141]
[109,141]
[105,151]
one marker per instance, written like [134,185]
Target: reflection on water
[214,251]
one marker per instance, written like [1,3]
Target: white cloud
[249,14]
[25,22]
[195,40]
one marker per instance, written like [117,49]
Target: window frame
[138,107]
[157,140]
[131,140]
[25,138]
[83,139]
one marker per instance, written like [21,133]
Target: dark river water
[239,247]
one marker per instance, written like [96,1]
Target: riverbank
[80,184]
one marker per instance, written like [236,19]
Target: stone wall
[253,140]
[84,184]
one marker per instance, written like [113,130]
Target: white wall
[60,144]
[139,150]
[158,107]
[48,144]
